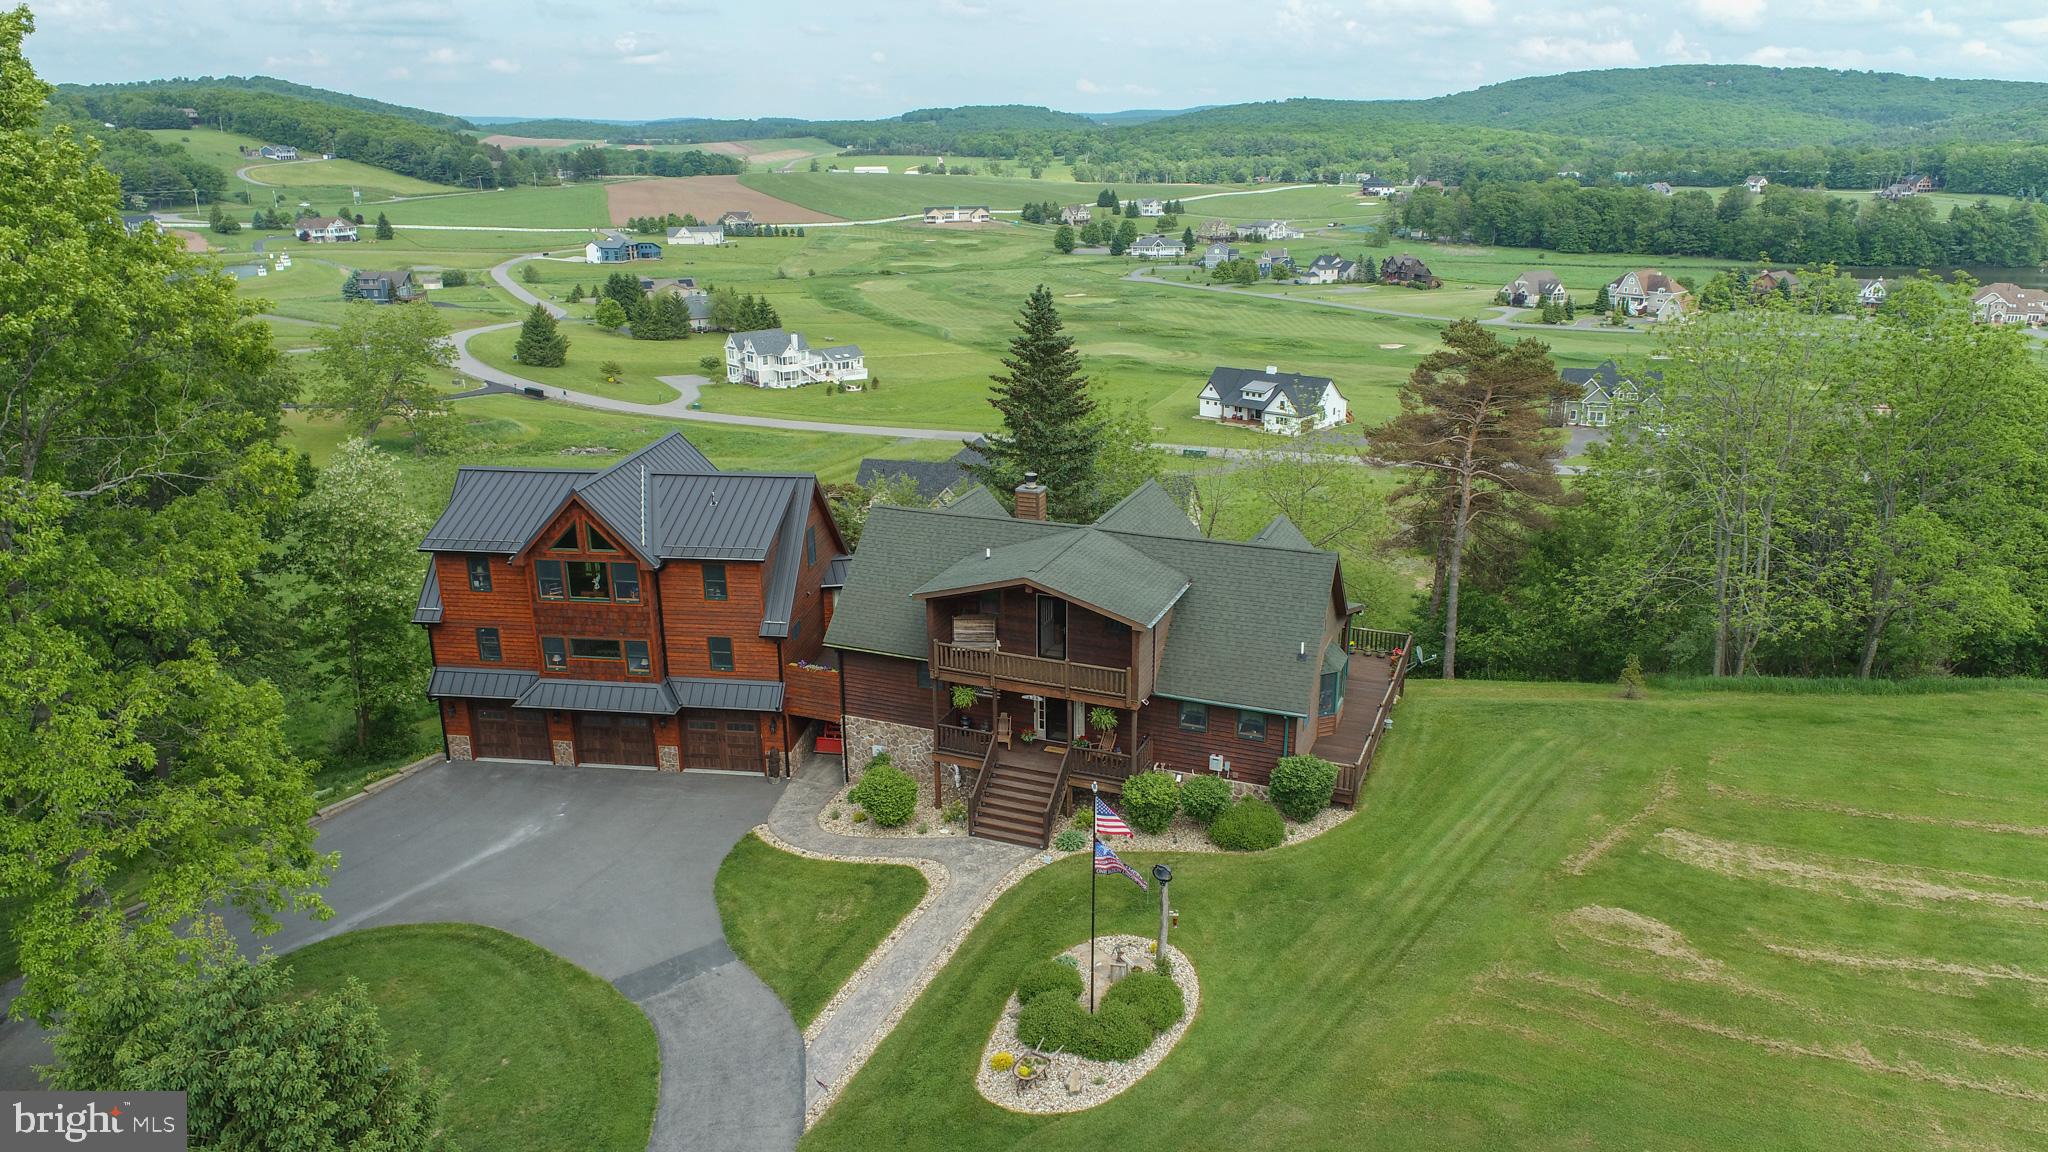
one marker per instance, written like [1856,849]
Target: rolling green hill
[174,93]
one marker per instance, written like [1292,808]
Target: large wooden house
[1015,661]
[1408,271]
[652,614]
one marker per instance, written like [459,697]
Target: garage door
[511,734]
[727,741]
[625,741]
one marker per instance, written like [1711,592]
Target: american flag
[1108,861]
[1107,822]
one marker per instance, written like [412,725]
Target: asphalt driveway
[612,869]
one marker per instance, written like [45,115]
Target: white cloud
[399,73]
[2033,29]
[1732,13]
[1781,56]
[1567,51]
[310,58]
[443,55]
[1979,50]
[879,56]
[1087,87]
[963,8]
[1679,50]
[1928,24]
[503,66]
[640,48]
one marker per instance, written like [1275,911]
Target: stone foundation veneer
[670,758]
[565,754]
[909,747]
[458,748]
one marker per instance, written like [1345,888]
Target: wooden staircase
[1015,801]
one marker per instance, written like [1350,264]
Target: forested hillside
[991,130]
[172,94]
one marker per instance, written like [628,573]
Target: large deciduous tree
[262,1069]
[1472,422]
[377,365]
[355,543]
[1049,424]
[140,486]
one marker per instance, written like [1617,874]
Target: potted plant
[963,697]
[1103,720]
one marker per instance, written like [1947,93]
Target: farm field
[852,197]
[325,182]
[705,197]
[1053,171]
[572,206]
[933,311]
[1711,919]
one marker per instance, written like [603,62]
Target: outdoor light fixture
[1164,875]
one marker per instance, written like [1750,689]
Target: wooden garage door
[511,734]
[602,738]
[724,740]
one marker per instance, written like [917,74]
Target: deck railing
[1059,794]
[986,666]
[988,767]
[1097,764]
[1378,641]
[1352,776]
[956,741]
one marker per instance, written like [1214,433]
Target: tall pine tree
[1049,424]
[541,342]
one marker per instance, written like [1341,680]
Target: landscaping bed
[1063,1081]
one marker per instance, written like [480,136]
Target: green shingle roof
[1282,533]
[975,501]
[1086,565]
[1238,630]
[1152,510]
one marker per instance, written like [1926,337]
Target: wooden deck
[1367,684]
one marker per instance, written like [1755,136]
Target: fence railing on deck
[1059,794]
[957,741]
[1351,777]
[985,666]
[988,765]
[1378,641]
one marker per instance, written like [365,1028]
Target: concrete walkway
[871,1007]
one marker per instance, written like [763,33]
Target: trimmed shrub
[1069,840]
[1046,977]
[1153,996]
[1248,826]
[1001,1062]
[1060,1024]
[886,793]
[1302,785]
[1150,800]
[1204,798]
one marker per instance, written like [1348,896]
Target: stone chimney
[1031,498]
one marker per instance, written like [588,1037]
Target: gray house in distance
[388,287]
[934,478]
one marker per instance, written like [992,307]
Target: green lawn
[589,348]
[1706,920]
[570,206]
[804,925]
[535,1053]
[872,197]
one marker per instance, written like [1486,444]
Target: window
[553,653]
[597,541]
[721,653]
[548,573]
[714,581]
[587,580]
[626,583]
[637,661]
[566,542]
[989,603]
[479,573]
[591,648]
[1194,717]
[1330,694]
[1251,726]
[810,545]
[487,648]
[1052,628]
[740,726]
[924,675]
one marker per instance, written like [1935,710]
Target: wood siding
[885,688]
[1181,750]
[688,621]
[508,607]
[604,620]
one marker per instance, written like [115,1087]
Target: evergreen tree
[348,287]
[1063,239]
[384,231]
[576,294]
[1048,415]
[624,287]
[1187,239]
[1603,302]
[541,343]
[1105,199]
[666,317]
[1126,235]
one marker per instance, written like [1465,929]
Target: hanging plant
[1102,719]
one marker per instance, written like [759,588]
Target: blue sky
[831,58]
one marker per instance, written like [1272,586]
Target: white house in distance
[1871,293]
[1269,230]
[1076,214]
[1330,268]
[1157,247]
[1649,294]
[773,358]
[2006,303]
[706,234]
[1274,401]
[958,214]
[1151,207]
[1757,183]
[325,229]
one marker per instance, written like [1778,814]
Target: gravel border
[934,887]
[1101,1080]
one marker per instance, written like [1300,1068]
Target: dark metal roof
[778,584]
[836,574]
[1305,393]
[737,695]
[599,696]
[428,610]
[498,509]
[480,683]
[719,516]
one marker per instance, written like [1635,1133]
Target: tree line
[1788,225]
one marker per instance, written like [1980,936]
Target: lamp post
[1164,875]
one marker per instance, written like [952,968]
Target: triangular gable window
[566,542]
[598,542]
